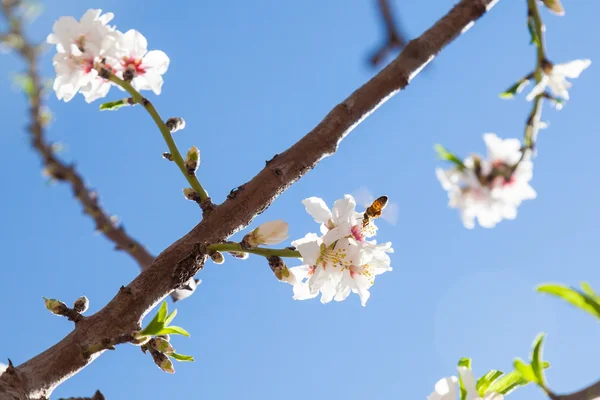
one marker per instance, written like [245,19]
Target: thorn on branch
[167,156]
[271,160]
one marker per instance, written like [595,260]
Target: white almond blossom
[555,77]
[448,388]
[83,46]
[146,66]
[80,45]
[490,190]
[341,261]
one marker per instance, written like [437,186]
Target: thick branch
[394,40]
[60,171]
[179,262]
[589,393]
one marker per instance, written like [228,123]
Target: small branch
[394,41]
[589,393]
[96,396]
[164,130]
[236,247]
[39,376]
[66,173]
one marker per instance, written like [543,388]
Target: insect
[376,208]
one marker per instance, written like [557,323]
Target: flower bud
[192,160]
[217,257]
[55,306]
[163,362]
[175,124]
[81,304]
[191,194]
[239,254]
[161,345]
[271,232]
[165,337]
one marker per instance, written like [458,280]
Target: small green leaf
[533,32]
[578,299]
[162,312]
[170,318]
[536,360]
[465,362]
[507,383]
[486,380]
[113,105]
[444,154]
[525,370]
[157,322]
[173,330]
[25,83]
[515,89]
[181,357]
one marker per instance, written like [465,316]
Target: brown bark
[37,378]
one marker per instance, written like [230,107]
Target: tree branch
[394,40]
[589,393]
[39,376]
[60,171]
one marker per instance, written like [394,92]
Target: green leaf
[173,330]
[181,357]
[516,88]
[162,312]
[578,299]
[536,360]
[444,154]
[465,362]
[113,105]
[525,370]
[157,323]
[533,32]
[486,380]
[170,318]
[25,83]
[507,383]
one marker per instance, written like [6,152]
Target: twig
[261,251]
[63,172]
[394,40]
[39,376]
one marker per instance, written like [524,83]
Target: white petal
[538,88]
[468,380]
[445,389]
[343,209]
[156,61]
[309,249]
[317,208]
[573,68]
[135,44]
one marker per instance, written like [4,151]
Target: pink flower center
[357,232]
[135,64]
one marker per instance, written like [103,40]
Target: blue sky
[251,78]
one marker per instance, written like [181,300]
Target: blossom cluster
[340,260]
[491,189]
[85,46]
